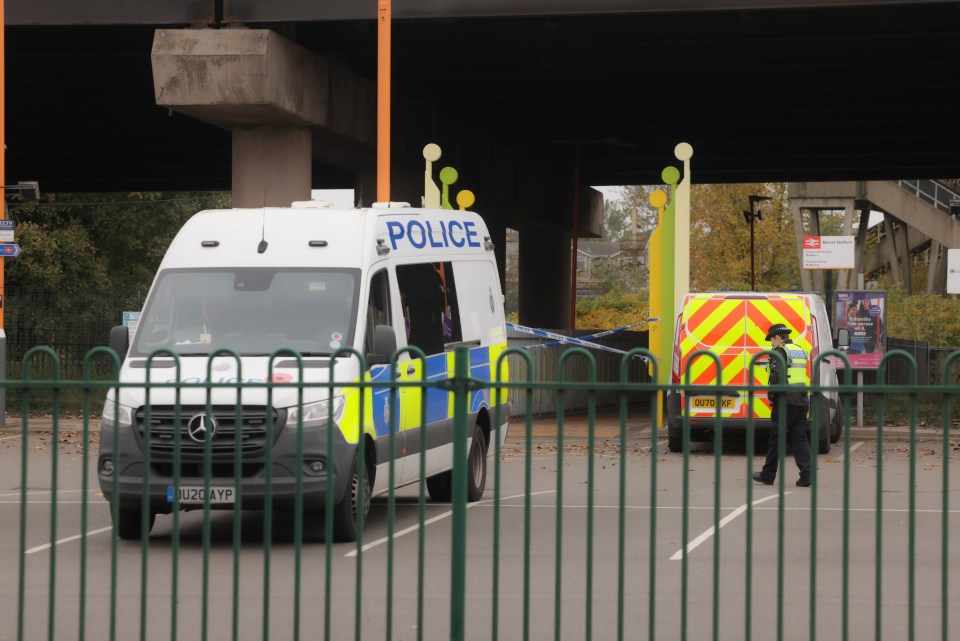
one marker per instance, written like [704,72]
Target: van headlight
[316,414]
[117,415]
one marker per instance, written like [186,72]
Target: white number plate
[191,495]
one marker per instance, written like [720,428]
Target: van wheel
[354,499]
[826,425]
[476,465]
[440,487]
[129,523]
[824,437]
[675,443]
[837,425]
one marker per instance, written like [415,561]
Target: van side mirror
[843,338]
[120,340]
[384,345]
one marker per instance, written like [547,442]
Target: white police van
[210,379]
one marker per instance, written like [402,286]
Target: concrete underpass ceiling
[857,93]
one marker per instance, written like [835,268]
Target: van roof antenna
[262,247]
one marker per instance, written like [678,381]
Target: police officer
[795,403]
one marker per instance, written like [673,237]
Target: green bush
[932,318]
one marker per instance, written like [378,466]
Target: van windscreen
[252,311]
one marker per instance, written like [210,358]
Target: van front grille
[251,431]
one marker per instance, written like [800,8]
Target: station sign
[828,252]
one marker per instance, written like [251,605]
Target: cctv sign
[953,271]
[828,252]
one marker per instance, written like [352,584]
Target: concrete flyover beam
[287,106]
[278,98]
[249,77]
[925,222]
[919,215]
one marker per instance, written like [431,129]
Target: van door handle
[411,370]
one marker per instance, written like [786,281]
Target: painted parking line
[694,544]
[47,546]
[856,446]
[439,517]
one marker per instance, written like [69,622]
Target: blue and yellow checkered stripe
[378,421]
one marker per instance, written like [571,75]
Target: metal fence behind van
[545,361]
[601,534]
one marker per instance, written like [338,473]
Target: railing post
[460,386]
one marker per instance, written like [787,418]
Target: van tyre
[675,443]
[824,437]
[356,498]
[129,523]
[837,425]
[476,465]
[440,486]
[826,425]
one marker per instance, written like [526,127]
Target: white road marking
[853,448]
[439,517]
[46,546]
[694,544]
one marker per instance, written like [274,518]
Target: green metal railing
[587,559]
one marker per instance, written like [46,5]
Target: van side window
[429,295]
[481,316]
[378,307]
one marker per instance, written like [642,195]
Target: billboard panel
[864,313]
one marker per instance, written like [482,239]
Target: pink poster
[864,315]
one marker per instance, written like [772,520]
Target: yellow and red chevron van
[733,326]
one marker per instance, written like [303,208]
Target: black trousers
[797,433]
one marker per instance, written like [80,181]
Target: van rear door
[761,313]
[734,328]
[714,323]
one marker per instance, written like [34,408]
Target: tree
[84,259]
[719,235]
[619,212]
[720,239]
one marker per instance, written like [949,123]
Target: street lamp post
[750,216]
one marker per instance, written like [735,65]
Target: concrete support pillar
[891,249]
[815,231]
[933,266]
[277,98]
[903,243]
[860,243]
[843,276]
[271,166]
[799,232]
[545,277]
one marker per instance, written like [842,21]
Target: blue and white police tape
[570,340]
[607,332]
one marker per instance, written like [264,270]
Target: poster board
[864,313]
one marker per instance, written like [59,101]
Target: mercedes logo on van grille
[199,427]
